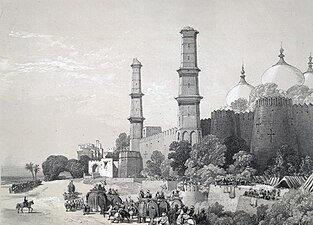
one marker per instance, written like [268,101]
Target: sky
[65,65]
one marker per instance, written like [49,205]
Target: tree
[299,93]
[208,151]
[240,105]
[242,160]
[234,145]
[75,168]
[53,166]
[154,165]
[30,168]
[179,153]
[36,170]
[286,162]
[84,160]
[165,168]
[207,175]
[264,90]
[296,207]
[122,142]
[306,166]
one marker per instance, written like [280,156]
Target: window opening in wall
[188,85]
[188,45]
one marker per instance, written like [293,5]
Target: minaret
[136,116]
[189,128]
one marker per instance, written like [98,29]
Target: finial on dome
[243,70]
[281,55]
[242,76]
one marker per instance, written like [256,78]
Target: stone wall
[159,142]
[157,184]
[271,128]
[130,164]
[223,124]
[302,122]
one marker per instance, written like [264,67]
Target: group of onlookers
[24,187]
[263,193]
[232,181]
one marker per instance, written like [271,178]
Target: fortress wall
[223,124]
[206,126]
[244,204]
[302,122]
[271,128]
[156,185]
[130,164]
[245,125]
[216,194]
[190,198]
[159,142]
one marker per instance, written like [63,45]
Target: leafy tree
[286,162]
[207,175]
[122,142]
[261,212]
[208,151]
[165,168]
[234,145]
[36,170]
[306,166]
[84,160]
[240,105]
[264,90]
[75,167]
[179,153]
[30,168]
[299,93]
[296,207]
[154,165]
[53,166]
[242,160]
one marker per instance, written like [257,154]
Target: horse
[20,206]
[97,199]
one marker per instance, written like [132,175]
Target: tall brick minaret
[188,99]
[136,116]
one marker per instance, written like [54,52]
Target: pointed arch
[193,138]
[186,136]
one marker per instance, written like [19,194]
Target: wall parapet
[274,101]
[165,133]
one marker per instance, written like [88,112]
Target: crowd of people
[24,187]
[262,193]
[232,181]
[188,186]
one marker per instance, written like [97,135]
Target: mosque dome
[283,74]
[241,90]
[308,75]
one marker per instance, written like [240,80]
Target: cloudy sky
[65,65]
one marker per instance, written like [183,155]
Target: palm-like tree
[30,168]
[36,170]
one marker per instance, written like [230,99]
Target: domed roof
[241,90]
[308,75]
[283,74]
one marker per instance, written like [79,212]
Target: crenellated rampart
[158,142]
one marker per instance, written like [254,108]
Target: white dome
[308,75]
[241,90]
[283,74]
